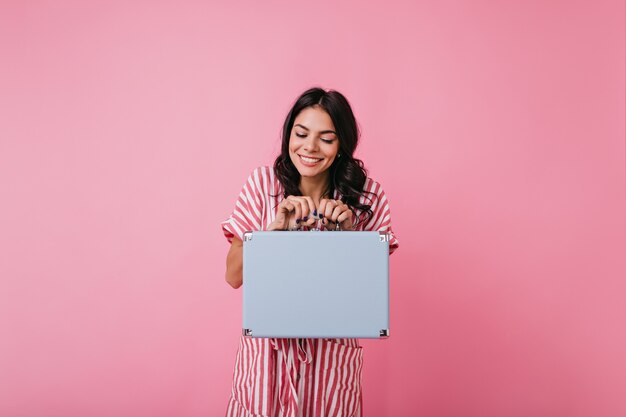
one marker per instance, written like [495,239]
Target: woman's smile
[308,161]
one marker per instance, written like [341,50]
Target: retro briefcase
[316,284]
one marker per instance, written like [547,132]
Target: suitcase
[316,284]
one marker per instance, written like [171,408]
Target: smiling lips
[308,161]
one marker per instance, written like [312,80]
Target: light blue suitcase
[316,284]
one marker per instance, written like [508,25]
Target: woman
[315,181]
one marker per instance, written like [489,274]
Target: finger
[326,214]
[292,218]
[322,207]
[282,215]
[312,207]
[307,209]
[330,207]
[286,215]
[329,224]
[310,221]
[285,207]
[296,201]
[297,208]
[337,211]
[345,220]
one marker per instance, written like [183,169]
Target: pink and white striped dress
[295,377]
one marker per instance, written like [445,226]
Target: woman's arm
[234,264]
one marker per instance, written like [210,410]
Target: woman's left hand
[333,212]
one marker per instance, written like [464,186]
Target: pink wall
[496,128]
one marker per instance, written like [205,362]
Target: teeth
[309,160]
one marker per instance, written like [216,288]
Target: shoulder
[262,171]
[262,179]
[373,191]
[372,186]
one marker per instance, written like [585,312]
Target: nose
[311,144]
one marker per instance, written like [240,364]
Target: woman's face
[313,143]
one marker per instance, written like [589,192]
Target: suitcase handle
[317,227]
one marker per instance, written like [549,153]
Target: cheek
[292,144]
[332,151]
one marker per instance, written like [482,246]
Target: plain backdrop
[497,129]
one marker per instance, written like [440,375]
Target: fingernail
[315,213]
[298,221]
[305,218]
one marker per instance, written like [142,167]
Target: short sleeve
[381,214]
[248,210]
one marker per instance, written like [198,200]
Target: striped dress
[295,377]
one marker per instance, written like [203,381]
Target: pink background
[496,128]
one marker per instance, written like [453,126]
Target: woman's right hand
[292,211]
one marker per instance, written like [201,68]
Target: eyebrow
[321,132]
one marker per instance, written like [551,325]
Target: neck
[314,187]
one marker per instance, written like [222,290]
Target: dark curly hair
[347,173]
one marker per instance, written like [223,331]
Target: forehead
[314,118]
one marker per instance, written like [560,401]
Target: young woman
[314,181]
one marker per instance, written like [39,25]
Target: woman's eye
[303,135]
